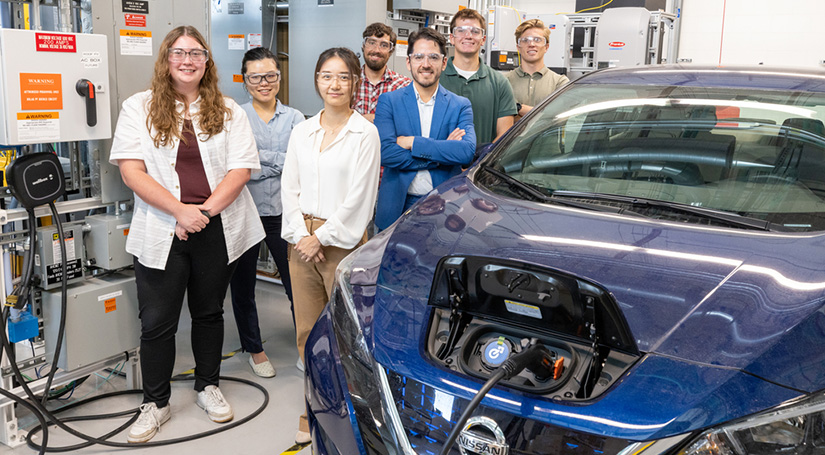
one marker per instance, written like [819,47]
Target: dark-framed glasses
[431,58]
[177,54]
[327,78]
[373,43]
[257,78]
[528,40]
[468,30]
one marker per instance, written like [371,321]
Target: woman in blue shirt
[272,123]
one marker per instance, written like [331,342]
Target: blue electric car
[656,235]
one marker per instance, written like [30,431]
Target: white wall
[544,6]
[772,32]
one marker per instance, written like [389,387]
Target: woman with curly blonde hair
[187,153]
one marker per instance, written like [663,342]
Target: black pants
[198,267]
[243,282]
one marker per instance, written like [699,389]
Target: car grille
[423,411]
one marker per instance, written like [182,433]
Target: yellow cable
[588,9]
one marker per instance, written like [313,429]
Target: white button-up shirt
[338,184]
[152,230]
[422,183]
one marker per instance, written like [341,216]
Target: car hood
[735,299]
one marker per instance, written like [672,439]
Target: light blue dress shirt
[272,138]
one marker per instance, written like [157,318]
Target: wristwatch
[518,108]
[206,214]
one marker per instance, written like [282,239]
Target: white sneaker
[148,423]
[300,364]
[212,401]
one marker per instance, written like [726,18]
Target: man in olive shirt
[532,81]
[489,92]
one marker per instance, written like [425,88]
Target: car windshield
[755,154]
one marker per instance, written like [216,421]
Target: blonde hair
[532,23]
[163,116]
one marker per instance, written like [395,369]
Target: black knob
[86,89]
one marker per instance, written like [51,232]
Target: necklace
[336,128]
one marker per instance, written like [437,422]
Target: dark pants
[198,267]
[243,284]
[410,200]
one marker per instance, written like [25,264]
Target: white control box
[54,87]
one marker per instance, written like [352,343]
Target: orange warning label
[143,33]
[40,91]
[237,78]
[37,115]
[126,232]
[236,36]
[110,305]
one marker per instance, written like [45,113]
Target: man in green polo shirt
[488,90]
[532,81]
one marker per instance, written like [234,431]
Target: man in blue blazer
[426,131]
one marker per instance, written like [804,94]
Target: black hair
[428,34]
[349,58]
[258,53]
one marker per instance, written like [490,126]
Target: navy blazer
[397,115]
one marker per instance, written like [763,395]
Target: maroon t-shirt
[194,187]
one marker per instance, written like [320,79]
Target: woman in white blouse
[328,189]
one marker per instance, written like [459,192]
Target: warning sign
[135,42]
[38,126]
[40,91]
[110,300]
[134,20]
[55,42]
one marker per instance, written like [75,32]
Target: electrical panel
[622,37]
[47,261]
[107,304]
[106,240]
[501,37]
[438,6]
[235,27]
[55,87]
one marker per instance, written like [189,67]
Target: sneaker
[148,423]
[302,437]
[263,369]
[212,401]
[300,365]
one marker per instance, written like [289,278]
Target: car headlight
[794,428]
[371,397]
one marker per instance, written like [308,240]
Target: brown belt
[311,217]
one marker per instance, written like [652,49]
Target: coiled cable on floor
[47,417]
[91,441]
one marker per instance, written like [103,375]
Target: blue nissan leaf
[636,268]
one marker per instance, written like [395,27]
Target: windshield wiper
[732,219]
[536,194]
[515,184]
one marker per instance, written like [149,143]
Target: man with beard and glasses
[376,78]
[426,131]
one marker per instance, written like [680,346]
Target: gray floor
[272,432]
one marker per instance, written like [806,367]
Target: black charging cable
[534,358]
[37,406]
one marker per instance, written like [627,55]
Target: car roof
[754,77]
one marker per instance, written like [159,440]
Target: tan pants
[311,289]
